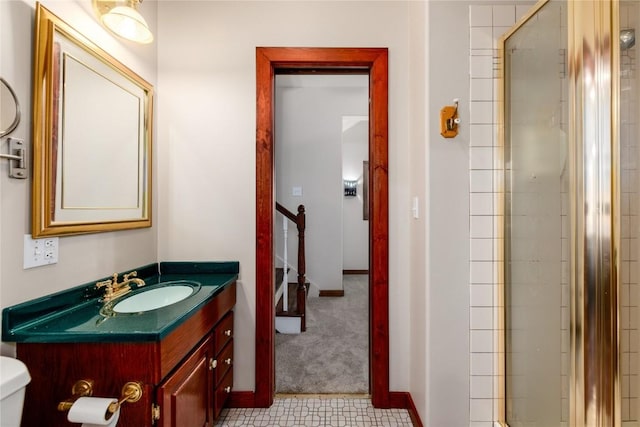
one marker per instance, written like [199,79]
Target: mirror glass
[92,136]
[9,109]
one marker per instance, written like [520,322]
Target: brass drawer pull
[228,332]
[227,389]
[227,361]
[213,364]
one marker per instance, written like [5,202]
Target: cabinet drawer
[221,393]
[223,332]
[224,362]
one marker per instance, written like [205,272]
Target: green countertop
[74,315]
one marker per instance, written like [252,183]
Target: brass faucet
[135,279]
[113,289]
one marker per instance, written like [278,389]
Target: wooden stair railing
[300,221]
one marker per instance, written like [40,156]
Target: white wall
[207,137]
[448,176]
[81,258]
[418,184]
[309,155]
[355,229]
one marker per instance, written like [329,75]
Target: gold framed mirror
[92,139]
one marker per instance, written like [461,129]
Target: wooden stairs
[292,321]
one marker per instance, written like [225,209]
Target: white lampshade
[127,23]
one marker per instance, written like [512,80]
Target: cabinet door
[185,396]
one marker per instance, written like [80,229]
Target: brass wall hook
[449,120]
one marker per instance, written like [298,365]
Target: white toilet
[14,377]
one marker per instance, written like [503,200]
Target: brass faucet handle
[130,274]
[108,283]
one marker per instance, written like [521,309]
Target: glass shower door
[536,221]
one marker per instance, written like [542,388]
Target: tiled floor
[315,411]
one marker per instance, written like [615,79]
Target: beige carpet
[332,356]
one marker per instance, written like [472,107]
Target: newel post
[302,291]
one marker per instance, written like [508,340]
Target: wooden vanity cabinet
[186,376]
[195,393]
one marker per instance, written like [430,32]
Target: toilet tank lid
[13,376]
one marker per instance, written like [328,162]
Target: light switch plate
[296,191]
[39,252]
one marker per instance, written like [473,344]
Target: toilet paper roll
[112,421]
[93,411]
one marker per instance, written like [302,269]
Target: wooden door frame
[269,61]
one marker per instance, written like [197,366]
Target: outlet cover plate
[38,252]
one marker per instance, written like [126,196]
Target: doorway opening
[374,61]
[321,146]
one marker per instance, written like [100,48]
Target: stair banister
[285,281]
[301,297]
[302,289]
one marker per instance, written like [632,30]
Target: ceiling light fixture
[123,19]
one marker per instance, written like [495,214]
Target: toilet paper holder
[131,392]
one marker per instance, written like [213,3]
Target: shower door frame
[593,66]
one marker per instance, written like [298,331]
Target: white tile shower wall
[629,220]
[487,24]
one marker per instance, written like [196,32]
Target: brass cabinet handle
[228,332]
[213,364]
[227,389]
[227,361]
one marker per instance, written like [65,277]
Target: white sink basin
[157,297]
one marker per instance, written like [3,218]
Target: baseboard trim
[332,293]
[241,399]
[355,271]
[403,400]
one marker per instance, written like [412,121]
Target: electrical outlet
[39,252]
